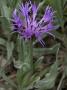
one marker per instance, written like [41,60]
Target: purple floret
[28,26]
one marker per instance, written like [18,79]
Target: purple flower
[27,24]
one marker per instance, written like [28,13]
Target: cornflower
[26,23]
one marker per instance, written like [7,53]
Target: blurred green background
[49,63]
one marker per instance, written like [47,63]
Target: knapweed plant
[26,23]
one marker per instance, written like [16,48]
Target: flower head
[26,23]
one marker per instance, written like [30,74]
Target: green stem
[28,54]
[26,61]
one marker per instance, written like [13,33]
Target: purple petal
[34,9]
[16,19]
